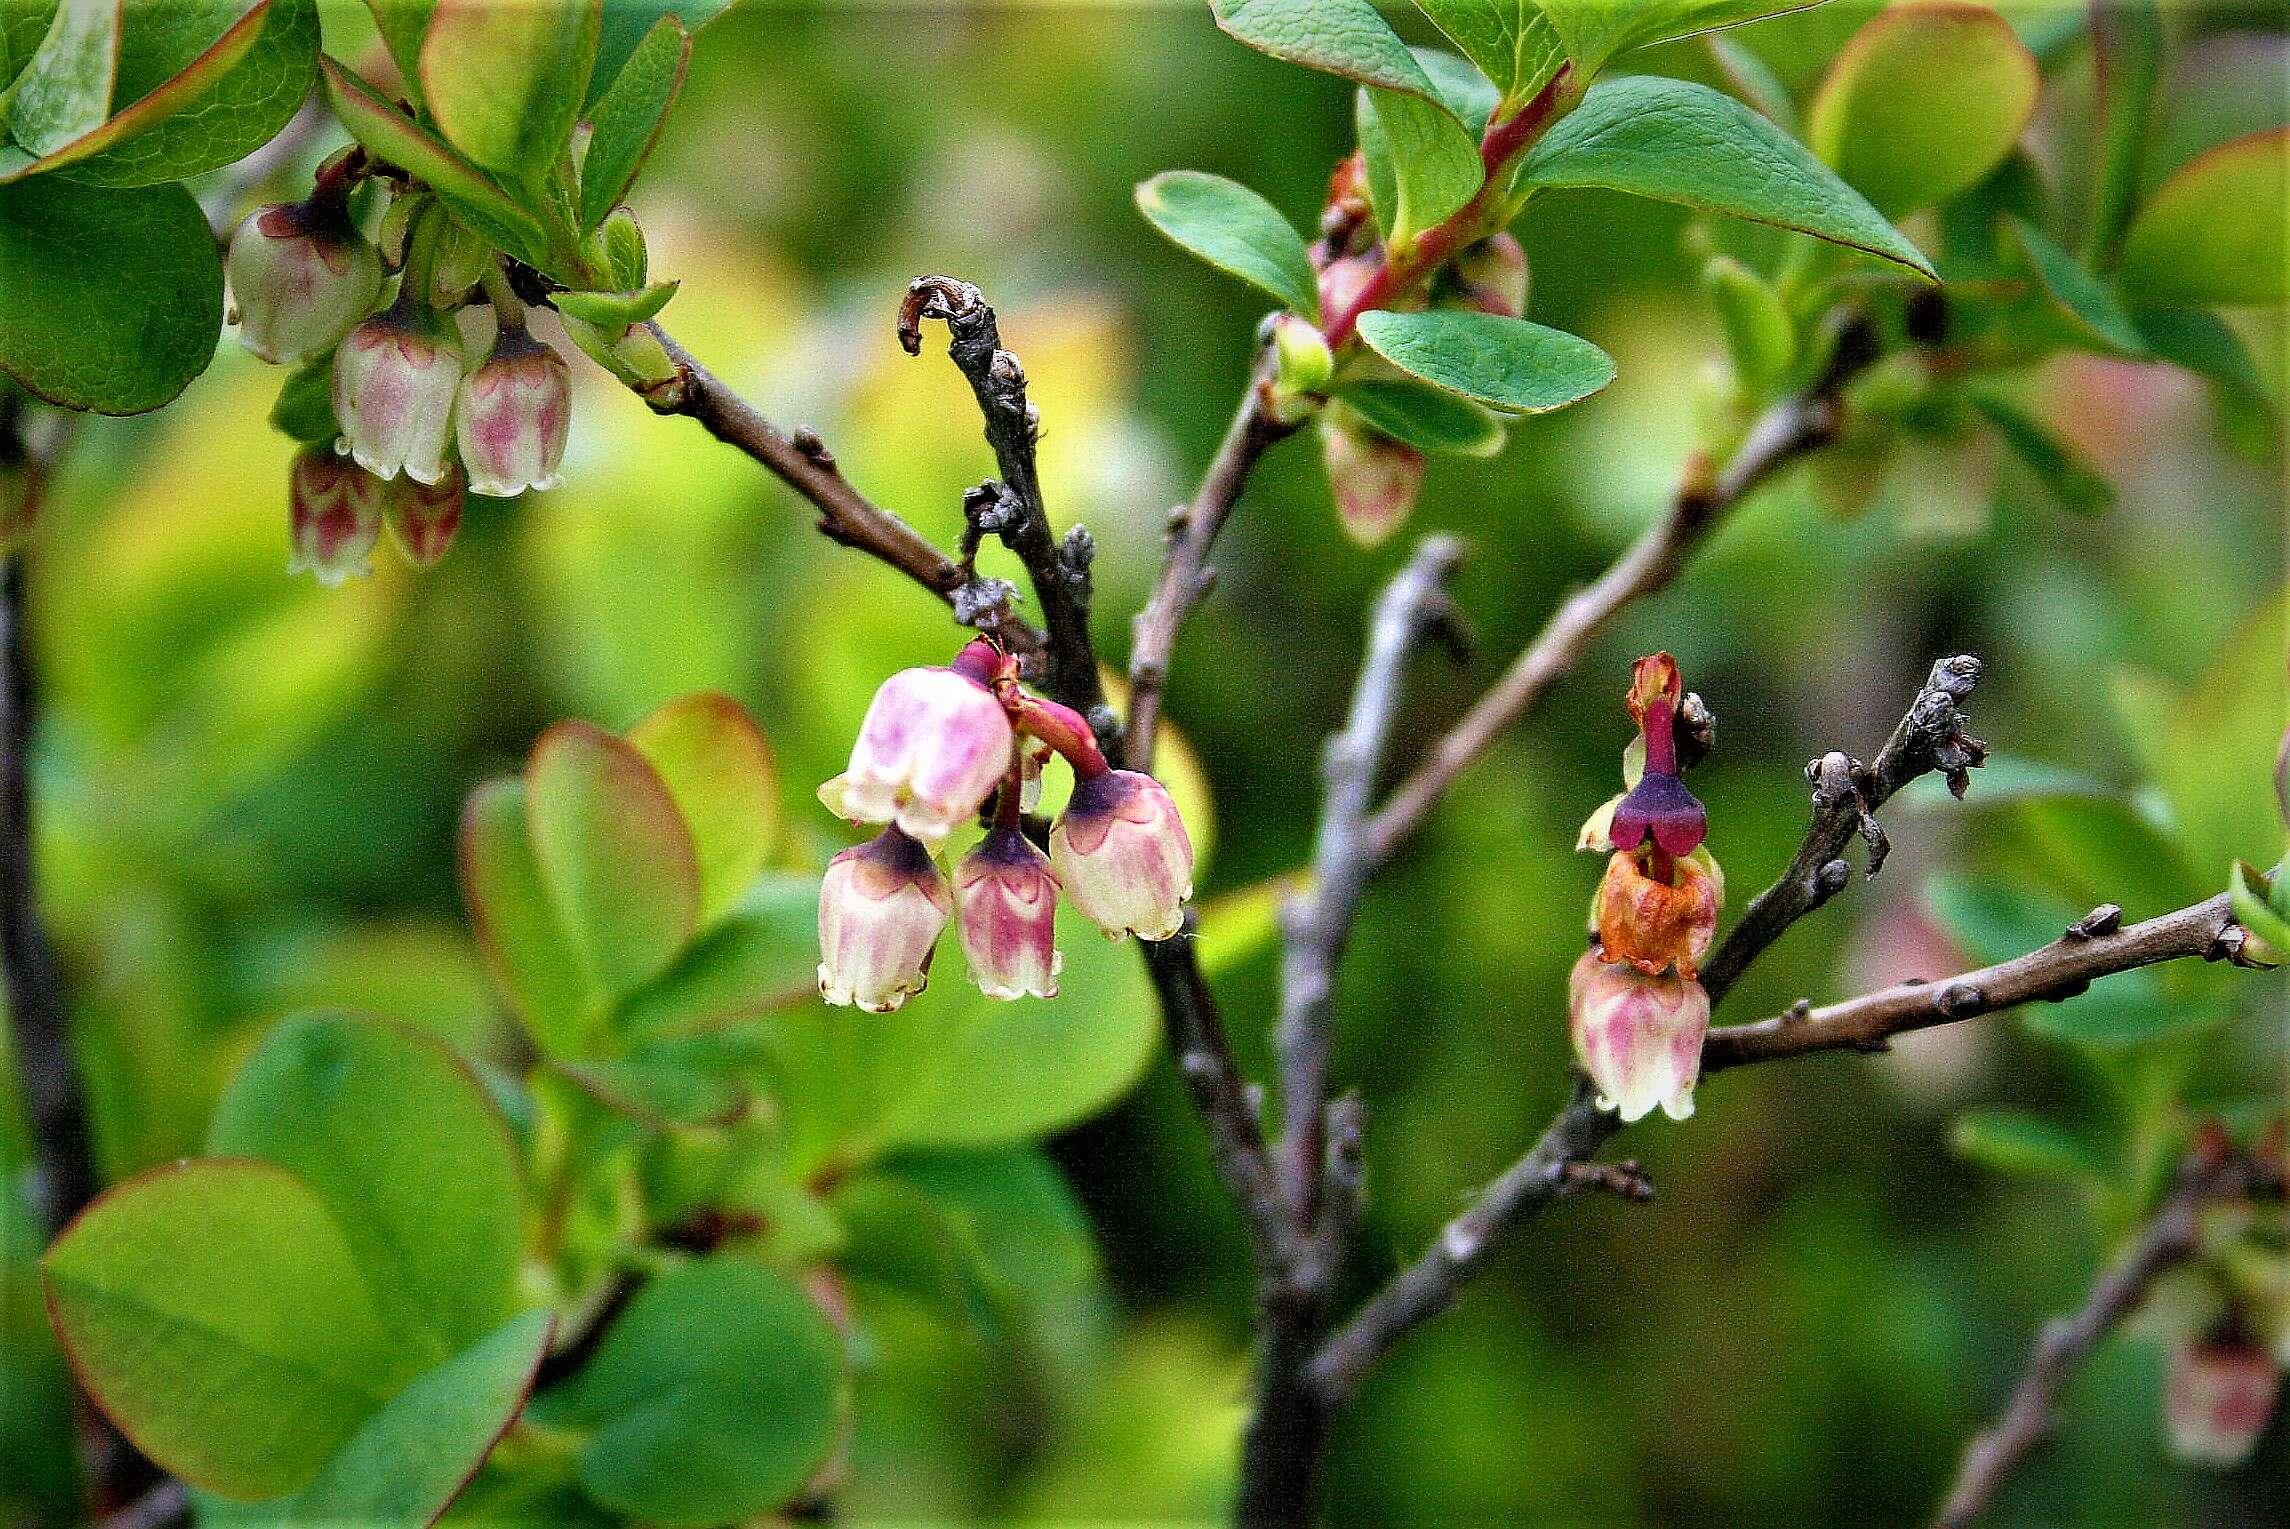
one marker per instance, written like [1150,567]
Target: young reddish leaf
[216,1312]
[404,1148]
[1235,230]
[2214,234]
[627,119]
[613,853]
[1688,144]
[526,946]
[505,82]
[1503,362]
[717,765]
[1923,102]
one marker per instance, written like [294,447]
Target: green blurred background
[250,784]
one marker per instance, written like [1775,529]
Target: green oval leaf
[402,1145]
[408,1461]
[1343,37]
[2127,64]
[505,82]
[115,297]
[715,1397]
[1425,417]
[718,768]
[1687,143]
[1923,102]
[2214,233]
[216,1312]
[1594,31]
[1422,164]
[525,944]
[2056,463]
[763,955]
[627,121]
[628,22]
[65,90]
[1510,40]
[2013,1141]
[1507,363]
[1235,230]
[2083,297]
[613,853]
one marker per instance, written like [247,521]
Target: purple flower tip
[1662,806]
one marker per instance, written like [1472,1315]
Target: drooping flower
[301,274]
[422,517]
[512,415]
[882,906]
[334,516]
[394,381]
[2218,1398]
[933,744]
[1123,854]
[1638,1036]
[1005,913]
[1652,923]
[1373,478]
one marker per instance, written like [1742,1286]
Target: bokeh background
[249,784]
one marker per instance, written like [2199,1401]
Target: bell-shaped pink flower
[1639,1037]
[301,274]
[422,517]
[933,744]
[1124,856]
[394,380]
[1005,912]
[882,905]
[2218,1398]
[1373,478]
[334,516]
[512,415]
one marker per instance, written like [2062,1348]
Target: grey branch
[2211,1174]
[1059,571]
[1846,795]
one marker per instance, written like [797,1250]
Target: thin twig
[1784,433]
[2169,1237]
[803,462]
[1185,572]
[1059,571]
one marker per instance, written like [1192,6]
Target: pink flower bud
[423,517]
[1005,912]
[1639,1037]
[932,746]
[882,905]
[394,380]
[301,274]
[1374,478]
[1124,856]
[1491,276]
[2218,1399]
[512,415]
[334,515]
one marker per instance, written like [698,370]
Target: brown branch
[1185,572]
[1783,434]
[2169,1237]
[803,462]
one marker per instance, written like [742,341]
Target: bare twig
[1185,573]
[2169,1237]
[1059,571]
[803,462]
[165,1504]
[1783,434]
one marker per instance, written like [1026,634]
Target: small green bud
[1303,365]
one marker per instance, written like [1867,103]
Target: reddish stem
[1503,142]
[981,663]
[1659,729]
[1009,802]
[1063,729]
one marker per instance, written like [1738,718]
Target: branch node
[2104,919]
[1624,1180]
[813,448]
[1459,1241]
[1959,1000]
[1797,1012]
[1832,878]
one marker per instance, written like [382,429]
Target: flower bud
[1654,923]
[1342,282]
[301,274]
[933,744]
[1491,276]
[1124,856]
[2218,1398]
[512,414]
[423,517]
[334,516]
[1304,365]
[1659,805]
[1373,478]
[882,905]
[394,380]
[1639,1037]
[1005,912]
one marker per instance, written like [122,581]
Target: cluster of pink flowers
[936,744]
[1636,1011]
[417,427]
